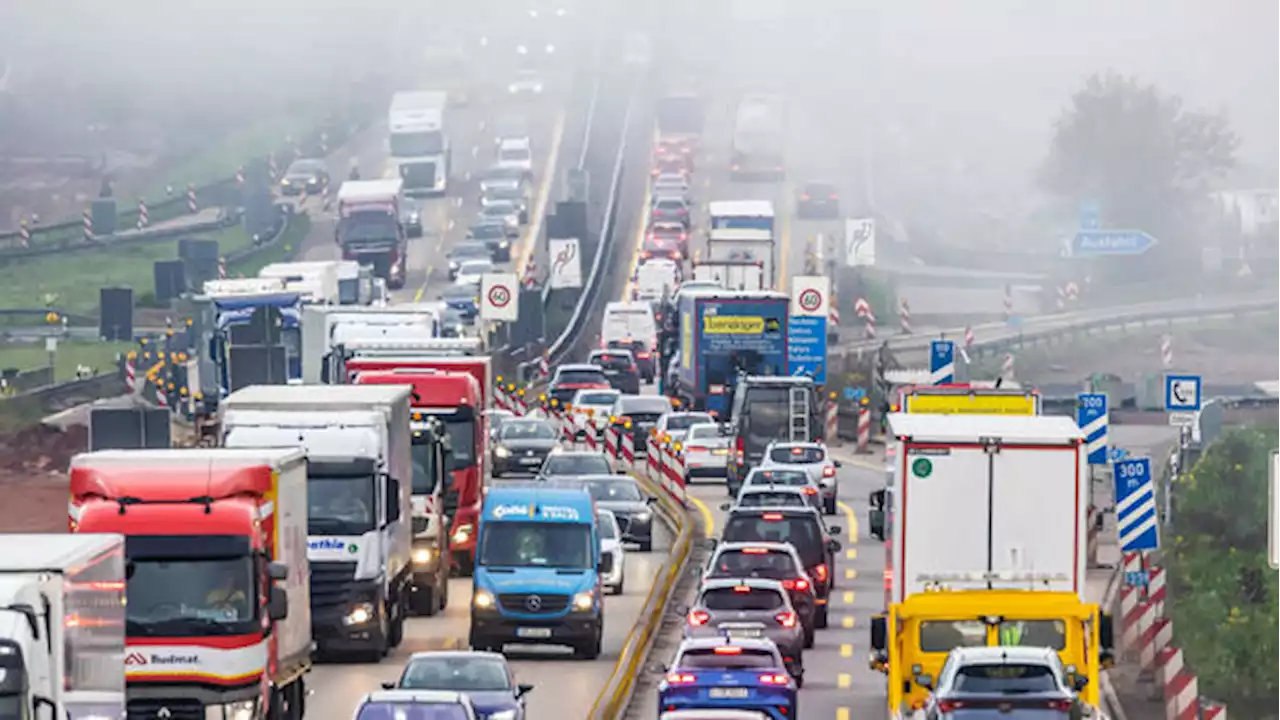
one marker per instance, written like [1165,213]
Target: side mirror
[388,686]
[879,633]
[838,464]
[277,571]
[1078,682]
[834,530]
[40,704]
[876,499]
[651,500]
[277,604]
[523,689]
[835,545]
[924,680]
[656,668]
[875,523]
[726,506]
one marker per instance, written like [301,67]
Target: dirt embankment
[33,477]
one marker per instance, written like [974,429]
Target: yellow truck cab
[911,641]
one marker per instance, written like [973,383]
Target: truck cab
[244,327]
[369,228]
[62,620]
[538,571]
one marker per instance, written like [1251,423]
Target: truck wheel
[381,646]
[590,650]
[465,567]
[425,602]
[444,593]
[398,611]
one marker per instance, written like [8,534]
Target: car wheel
[820,618]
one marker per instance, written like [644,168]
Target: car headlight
[239,710]
[359,614]
[504,244]
[414,218]
[462,534]
[642,517]
[285,181]
[501,452]
[584,601]
[502,715]
[537,88]
[423,556]
[453,264]
[482,600]
[513,88]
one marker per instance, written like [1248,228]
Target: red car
[666,239]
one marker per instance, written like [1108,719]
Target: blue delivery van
[538,569]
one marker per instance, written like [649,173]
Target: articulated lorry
[419,146]
[453,384]
[369,230]
[359,475]
[987,547]
[742,231]
[325,327]
[740,275]
[218,618]
[317,283]
[758,139]
[246,338]
[62,624]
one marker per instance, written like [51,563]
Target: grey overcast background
[970,88]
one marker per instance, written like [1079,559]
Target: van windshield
[799,530]
[536,544]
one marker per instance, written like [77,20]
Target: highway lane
[564,688]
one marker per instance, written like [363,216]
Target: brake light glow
[950,705]
[742,588]
[774,679]
[755,551]
[695,448]
[805,196]
[828,471]
[728,650]
[832,196]
[680,679]
[821,572]
[740,450]
[771,517]
[786,619]
[698,618]
[797,584]
[810,490]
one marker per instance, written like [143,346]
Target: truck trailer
[62,620]
[205,530]
[723,334]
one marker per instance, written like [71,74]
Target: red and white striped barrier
[1006,368]
[862,309]
[24,234]
[1073,292]
[904,316]
[864,429]
[240,176]
[272,168]
[161,400]
[131,373]
[1166,351]
[627,452]
[653,464]
[325,202]
[1008,303]
[1147,635]
[222,268]
[611,441]
[192,206]
[88,225]
[143,220]
[968,343]
[672,473]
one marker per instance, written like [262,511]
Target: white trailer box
[743,275]
[320,322]
[72,588]
[316,282]
[743,245]
[988,495]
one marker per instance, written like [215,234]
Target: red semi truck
[455,388]
[218,616]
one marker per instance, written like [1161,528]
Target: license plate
[530,461]
[719,451]
[533,633]
[729,692]
[744,632]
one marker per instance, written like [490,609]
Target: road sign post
[807,328]
[1182,393]
[942,362]
[498,293]
[1136,521]
[1273,515]
[1093,419]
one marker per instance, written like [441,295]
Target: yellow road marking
[853,522]
[851,554]
[842,713]
[850,574]
[846,651]
[844,681]
[530,239]
[848,597]
[846,621]
[452,643]
[707,517]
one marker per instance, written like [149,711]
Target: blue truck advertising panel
[722,334]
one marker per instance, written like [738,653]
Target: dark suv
[569,379]
[619,368]
[801,528]
[637,416]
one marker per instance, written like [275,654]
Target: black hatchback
[619,368]
[801,528]
[818,201]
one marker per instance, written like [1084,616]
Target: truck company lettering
[505,511]
[556,512]
[137,658]
[728,325]
[331,544]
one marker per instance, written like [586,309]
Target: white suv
[814,460]
[516,153]
[1010,671]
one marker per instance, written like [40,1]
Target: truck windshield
[367,225]
[13,683]
[416,144]
[462,436]
[426,466]
[188,596]
[536,544]
[340,505]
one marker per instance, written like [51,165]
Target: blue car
[484,677]
[729,674]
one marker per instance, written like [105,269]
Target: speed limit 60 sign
[810,295]
[499,297]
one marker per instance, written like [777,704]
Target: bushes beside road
[1223,595]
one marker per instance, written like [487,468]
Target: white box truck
[321,326]
[62,617]
[988,495]
[316,282]
[359,480]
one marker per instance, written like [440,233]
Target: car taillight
[698,618]
[682,211]
[774,679]
[832,197]
[694,448]
[740,450]
[728,650]
[821,572]
[947,706]
[828,471]
[888,579]
[771,517]
[680,679]
[804,196]
[1060,705]
[644,355]
[755,551]
[797,584]
[786,619]
[810,490]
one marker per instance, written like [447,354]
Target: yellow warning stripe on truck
[973,403]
